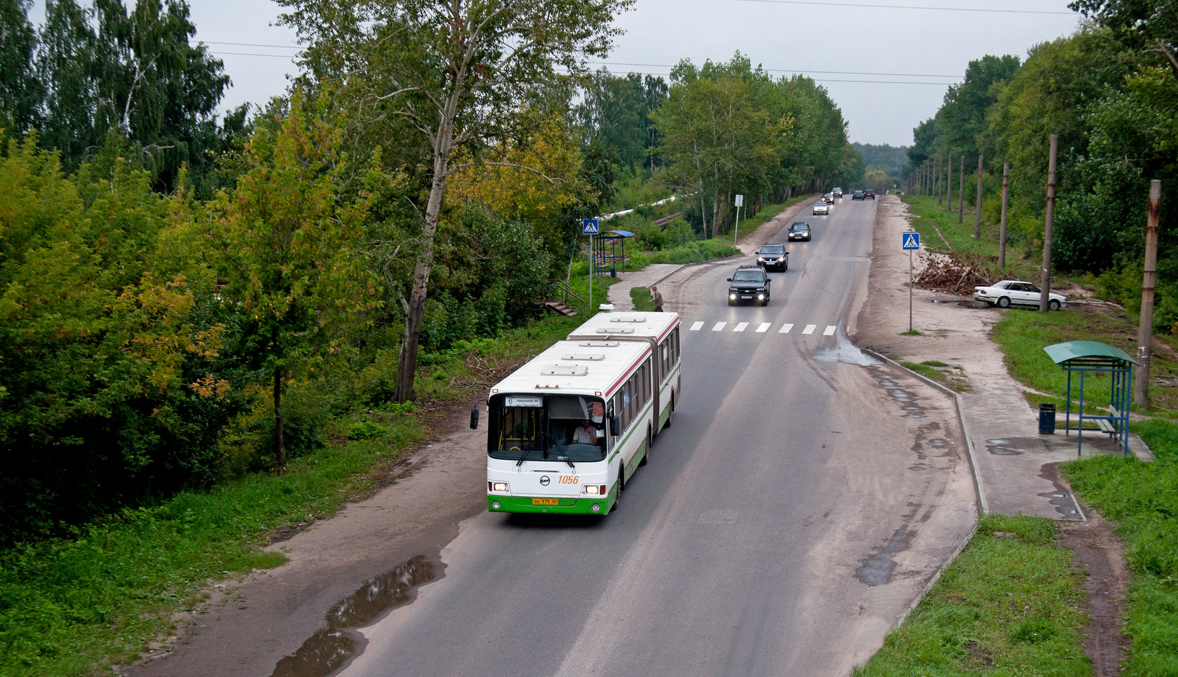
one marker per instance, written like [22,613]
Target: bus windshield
[565,428]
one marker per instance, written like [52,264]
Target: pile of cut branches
[952,274]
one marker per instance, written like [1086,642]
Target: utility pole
[977,213]
[1049,221]
[1145,329]
[961,191]
[1002,228]
[949,183]
[937,178]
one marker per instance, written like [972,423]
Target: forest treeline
[1110,93]
[186,297]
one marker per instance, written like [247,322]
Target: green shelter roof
[1092,354]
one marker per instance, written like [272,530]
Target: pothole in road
[336,645]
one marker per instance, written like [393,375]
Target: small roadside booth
[606,251]
[1088,358]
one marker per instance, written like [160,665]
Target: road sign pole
[909,291]
[590,277]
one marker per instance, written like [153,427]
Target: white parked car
[821,208]
[1007,292]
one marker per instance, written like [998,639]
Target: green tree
[962,117]
[288,246]
[64,63]
[462,75]
[20,92]
[1146,24]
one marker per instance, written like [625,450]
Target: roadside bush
[366,430]
[648,237]
[679,232]
[248,442]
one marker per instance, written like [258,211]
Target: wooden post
[949,183]
[1002,227]
[977,214]
[961,191]
[1145,328]
[1049,221]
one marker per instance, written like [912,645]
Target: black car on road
[869,194]
[773,256]
[749,283]
[799,231]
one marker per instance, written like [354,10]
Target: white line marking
[719,326]
[764,327]
[830,329]
[741,327]
[785,329]
[695,326]
[809,329]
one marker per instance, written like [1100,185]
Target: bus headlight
[595,489]
[497,486]
[495,505]
[596,507]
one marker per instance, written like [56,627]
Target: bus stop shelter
[606,251]
[1093,357]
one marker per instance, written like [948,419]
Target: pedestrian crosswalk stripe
[809,329]
[829,330]
[695,326]
[785,329]
[741,327]
[764,327]
[719,326]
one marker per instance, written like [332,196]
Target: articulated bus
[568,429]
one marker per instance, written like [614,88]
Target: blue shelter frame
[605,251]
[1086,357]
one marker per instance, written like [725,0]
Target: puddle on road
[1003,448]
[877,569]
[907,400]
[333,647]
[844,351]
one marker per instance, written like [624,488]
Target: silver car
[821,208]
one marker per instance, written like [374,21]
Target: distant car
[828,198]
[1016,292]
[857,195]
[799,231]
[749,283]
[838,191]
[821,208]
[773,256]
[869,193]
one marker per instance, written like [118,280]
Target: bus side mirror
[474,418]
[615,425]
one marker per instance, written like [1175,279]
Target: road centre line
[785,329]
[830,330]
[764,327]
[809,329]
[741,327]
[695,326]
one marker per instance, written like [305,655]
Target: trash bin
[1046,419]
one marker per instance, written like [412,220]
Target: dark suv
[749,283]
[869,193]
[773,256]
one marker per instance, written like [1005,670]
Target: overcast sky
[866,47]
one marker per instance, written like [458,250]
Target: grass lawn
[1010,604]
[71,606]
[1142,498]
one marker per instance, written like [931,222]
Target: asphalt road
[797,506]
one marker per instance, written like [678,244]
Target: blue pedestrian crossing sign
[589,226]
[911,241]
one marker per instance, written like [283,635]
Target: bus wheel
[649,444]
[670,413]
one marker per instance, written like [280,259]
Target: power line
[935,9]
[278,56]
[246,44]
[787,70]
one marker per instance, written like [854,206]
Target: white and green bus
[568,429]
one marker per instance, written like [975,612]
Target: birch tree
[460,75]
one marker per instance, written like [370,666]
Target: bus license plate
[545,501]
